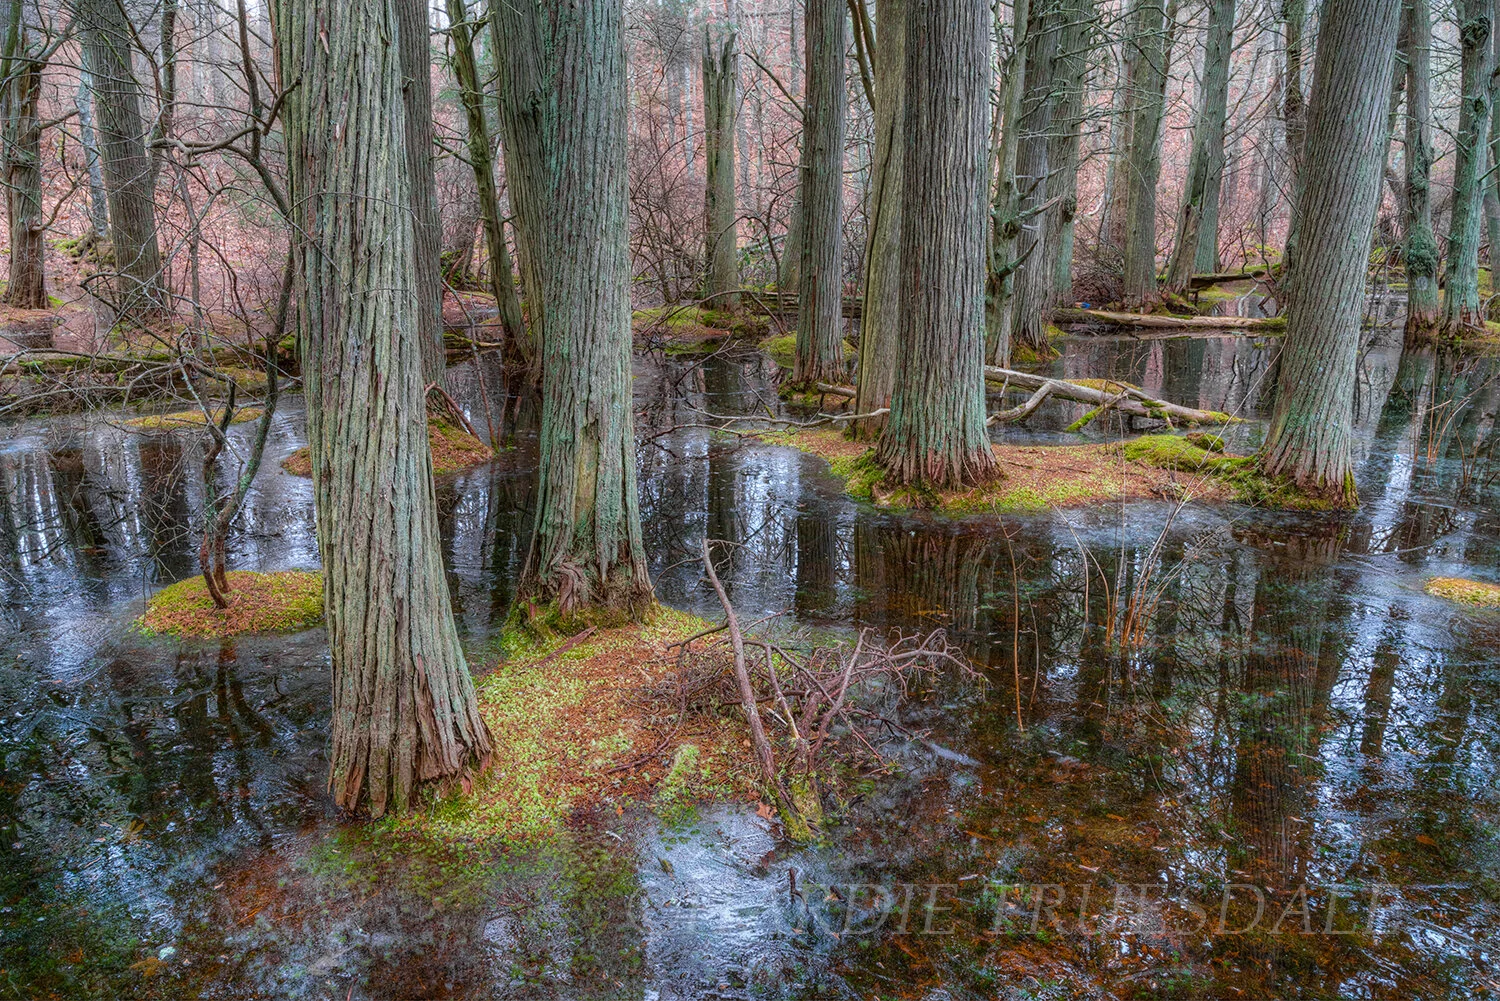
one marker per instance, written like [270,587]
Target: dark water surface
[1286,788]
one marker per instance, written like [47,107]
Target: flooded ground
[1282,783]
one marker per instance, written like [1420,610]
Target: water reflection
[1221,696]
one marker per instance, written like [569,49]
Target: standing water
[1284,786]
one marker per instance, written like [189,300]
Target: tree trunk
[404,711]
[721,81]
[526,112]
[880,319]
[466,71]
[427,224]
[1071,77]
[84,102]
[1421,251]
[1461,307]
[1293,109]
[1005,212]
[936,434]
[127,168]
[586,552]
[1152,26]
[1197,245]
[21,154]
[820,318]
[1311,428]
[1034,271]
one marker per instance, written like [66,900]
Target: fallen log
[1126,399]
[1199,282]
[1167,322]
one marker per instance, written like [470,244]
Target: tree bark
[1421,250]
[404,711]
[21,155]
[1005,212]
[1197,247]
[427,224]
[127,168]
[721,82]
[936,434]
[1034,271]
[1293,108]
[1461,307]
[1067,123]
[502,282]
[586,551]
[527,110]
[820,321]
[1152,26]
[880,318]
[1311,428]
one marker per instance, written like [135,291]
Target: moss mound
[453,449]
[185,419]
[575,726]
[1476,594]
[783,350]
[1036,478]
[286,601]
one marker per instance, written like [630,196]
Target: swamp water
[1287,788]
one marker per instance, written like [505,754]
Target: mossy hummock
[189,419]
[572,730]
[453,450]
[280,602]
[1036,478]
[1474,593]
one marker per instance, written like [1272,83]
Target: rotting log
[1127,400]
[1168,322]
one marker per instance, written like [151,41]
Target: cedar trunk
[1421,249]
[1034,272]
[1197,245]
[1149,49]
[404,711]
[1461,307]
[502,281]
[21,77]
[586,551]
[127,169]
[820,317]
[1005,212]
[721,80]
[880,320]
[427,224]
[1070,91]
[936,434]
[1311,429]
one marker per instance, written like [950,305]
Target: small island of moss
[1473,593]
[453,450]
[280,602]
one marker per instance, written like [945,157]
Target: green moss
[1466,592]
[677,796]
[560,719]
[287,601]
[1241,473]
[185,419]
[782,350]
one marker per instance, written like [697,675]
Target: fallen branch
[1128,400]
[1166,321]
